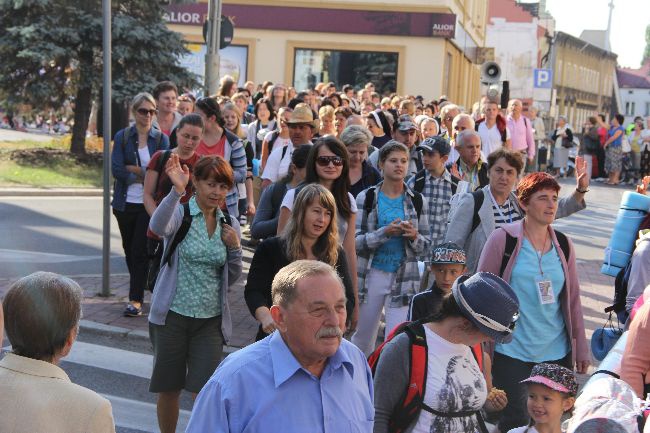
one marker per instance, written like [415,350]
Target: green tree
[646,52]
[51,52]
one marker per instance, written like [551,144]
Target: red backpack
[413,400]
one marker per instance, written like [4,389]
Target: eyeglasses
[488,322]
[144,112]
[324,161]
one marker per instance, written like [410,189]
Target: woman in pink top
[636,358]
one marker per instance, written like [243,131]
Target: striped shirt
[506,214]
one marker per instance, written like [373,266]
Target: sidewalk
[105,314]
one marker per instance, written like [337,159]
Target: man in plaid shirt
[436,184]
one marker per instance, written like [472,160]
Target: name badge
[545,290]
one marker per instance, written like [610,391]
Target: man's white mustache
[330,331]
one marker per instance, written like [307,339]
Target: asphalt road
[58,234]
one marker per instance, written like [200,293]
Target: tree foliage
[51,52]
[646,52]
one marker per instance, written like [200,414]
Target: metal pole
[212,51]
[106,225]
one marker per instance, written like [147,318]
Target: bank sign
[443,26]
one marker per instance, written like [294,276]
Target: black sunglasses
[324,161]
[144,111]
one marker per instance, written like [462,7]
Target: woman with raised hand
[539,263]
[190,321]
[311,234]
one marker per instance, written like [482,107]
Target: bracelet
[582,191]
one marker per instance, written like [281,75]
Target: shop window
[345,67]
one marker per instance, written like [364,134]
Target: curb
[45,192]
[134,335]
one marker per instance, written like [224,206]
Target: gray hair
[356,135]
[462,116]
[355,119]
[464,136]
[40,311]
[446,109]
[141,98]
[284,287]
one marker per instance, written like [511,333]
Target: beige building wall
[427,66]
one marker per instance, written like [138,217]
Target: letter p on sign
[543,78]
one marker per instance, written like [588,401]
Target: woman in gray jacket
[189,321]
[474,216]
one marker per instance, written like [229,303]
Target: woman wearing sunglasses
[328,164]
[311,234]
[479,309]
[542,271]
[132,150]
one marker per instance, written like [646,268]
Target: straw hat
[302,114]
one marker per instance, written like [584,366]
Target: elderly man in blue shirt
[302,378]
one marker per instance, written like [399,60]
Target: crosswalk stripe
[139,415]
[109,358]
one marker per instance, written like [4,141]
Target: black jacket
[270,256]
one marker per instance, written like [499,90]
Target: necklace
[538,253]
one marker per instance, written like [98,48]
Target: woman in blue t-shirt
[542,272]
[613,150]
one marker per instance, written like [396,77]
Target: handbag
[566,143]
[625,144]
[605,338]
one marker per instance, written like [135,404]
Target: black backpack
[369,201]
[420,178]
[511,243]
[154,268]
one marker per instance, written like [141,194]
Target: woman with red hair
[539,264]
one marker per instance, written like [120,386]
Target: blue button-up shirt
[263,388]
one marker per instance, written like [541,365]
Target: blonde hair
[141,98]
[229,106]
[326,247]
[326,111]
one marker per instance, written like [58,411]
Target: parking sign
[543,78]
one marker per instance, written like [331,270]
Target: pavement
[103,315]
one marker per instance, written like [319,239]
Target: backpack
[153,271]
[420,178]
[412,401]
[369,201]
[274,137]
[511,243]
[501,127]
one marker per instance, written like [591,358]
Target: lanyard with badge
[498,208]
[543,284]
[473,175]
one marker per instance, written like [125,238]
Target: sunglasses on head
[324,161]
[144,111]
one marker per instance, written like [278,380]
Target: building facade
[583,79]
[634,86]
[418,47]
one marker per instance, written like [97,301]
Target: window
[345,67]
[629,108]
[647,109]
[447,75]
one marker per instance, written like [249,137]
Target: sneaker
[132,311]
[600,179]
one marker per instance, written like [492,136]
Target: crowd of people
[364,210]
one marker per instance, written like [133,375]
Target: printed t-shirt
[164,185]
[454,384]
